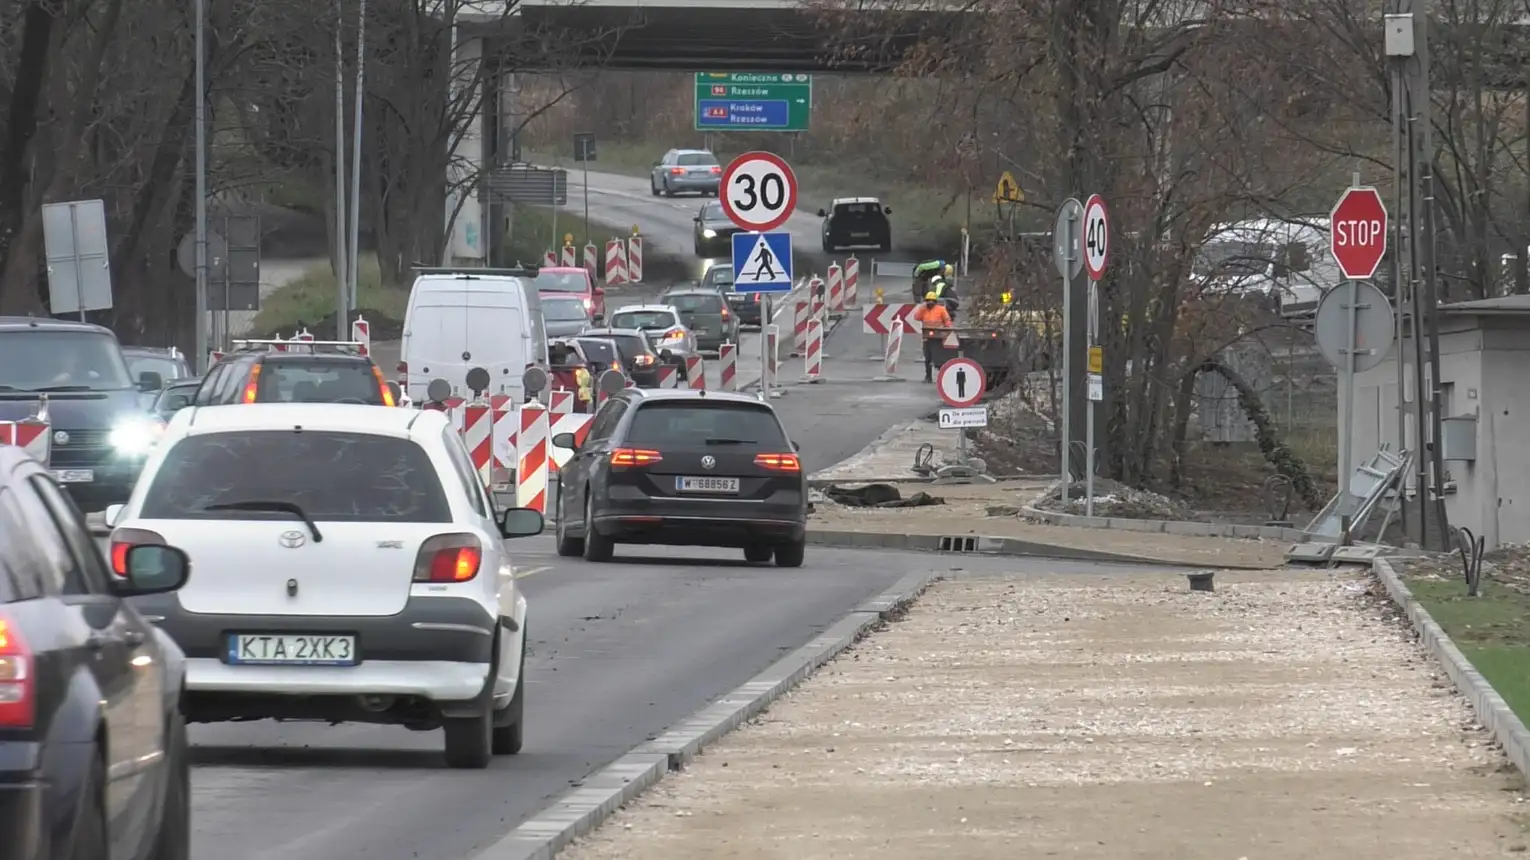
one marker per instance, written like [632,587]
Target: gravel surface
[1287,715]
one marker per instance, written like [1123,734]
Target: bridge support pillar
[468,230]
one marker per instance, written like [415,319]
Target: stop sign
[1357,232]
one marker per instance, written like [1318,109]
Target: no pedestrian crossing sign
[762,262]
[961,382]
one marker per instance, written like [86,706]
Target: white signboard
[1096,387]
[966,416]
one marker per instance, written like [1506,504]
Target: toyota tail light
[251,385]
[778,462]
[631,458]
[124,540]
[448,558]
[18,696]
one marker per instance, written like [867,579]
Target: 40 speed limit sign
[758,192]
[1096,237]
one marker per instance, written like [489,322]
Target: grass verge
[309,300]
[921,219]
[1492,630]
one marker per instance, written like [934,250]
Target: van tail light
[623,458]
[677,171]
[18,697]
[124,540]
[382,385]
[252,385]
[403,367]
[778,462]
[448,558]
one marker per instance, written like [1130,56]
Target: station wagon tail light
[382,385]
[716,169]
[677,171]
[124,540]
[448,558]
[778,462]
[17,698]
[623,458]
[251,386]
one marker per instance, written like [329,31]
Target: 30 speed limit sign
[1096,237]
[759,191]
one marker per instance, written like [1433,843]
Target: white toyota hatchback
[349,567]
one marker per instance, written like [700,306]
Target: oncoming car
[856,222]
[350,568]
[683,468]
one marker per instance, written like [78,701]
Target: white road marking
[532,571]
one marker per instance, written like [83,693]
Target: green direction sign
[750,101]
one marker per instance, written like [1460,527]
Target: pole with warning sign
[1006,198]
[1096,255]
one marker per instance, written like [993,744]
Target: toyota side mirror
[152,569]
[111,514]
[519,522]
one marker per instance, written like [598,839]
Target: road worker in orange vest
[932,316]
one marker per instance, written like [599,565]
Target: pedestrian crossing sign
[762,262]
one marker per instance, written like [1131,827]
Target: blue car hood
[95,410]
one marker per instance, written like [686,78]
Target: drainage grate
[958,543]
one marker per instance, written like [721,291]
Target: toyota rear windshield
[61,360]
[332,476]
[690,422]
[289,380]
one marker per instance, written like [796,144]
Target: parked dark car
[262,375]
[856,222]
[639,361]
[93,755]
[101,431]
[713,233]
[683,468]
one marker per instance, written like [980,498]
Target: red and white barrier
[727,361]
[550,259]
[478,438]
[214,357]
[591,259]
[635,259]
[577,424]
[531,452]
[361,332]
[501,402]
[852,281]
[507,426]
[567,257]
[561,402]
[878,319]
[836,287]
[812,359]
[616,262]
[695,373]
[668,374]
[801,313]
[31,435]
[890,352]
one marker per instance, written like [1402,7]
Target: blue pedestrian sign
[762,262]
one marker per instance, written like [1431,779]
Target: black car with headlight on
[73,375]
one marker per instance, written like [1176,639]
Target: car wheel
[668,192]
[469,741]
[568,547]
[173,841]
[790,554]
[653,187]
[699,250]
[757,554]
[597,547]
[509,724]
[91,840]
[827,248]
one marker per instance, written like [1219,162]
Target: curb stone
[1173,527]
[988,545]
[578,812]
[1492,711]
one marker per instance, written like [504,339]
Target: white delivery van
[459,319]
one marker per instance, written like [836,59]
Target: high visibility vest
[586,383]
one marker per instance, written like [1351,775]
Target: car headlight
[135,436]
[709,233]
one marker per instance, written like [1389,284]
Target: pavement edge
[1491,709]
[579,811]
[1003,546]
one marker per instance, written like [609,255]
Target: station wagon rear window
[695,159]
[691,423]
[289,381]
[703,304]
[333,476]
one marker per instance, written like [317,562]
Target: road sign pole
[1347,395]
[1067,258]
[1067,388]
[1089,416]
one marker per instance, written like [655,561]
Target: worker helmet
[931,297]
[950,271]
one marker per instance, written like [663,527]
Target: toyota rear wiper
[63,387]
[733,441]
[273,507]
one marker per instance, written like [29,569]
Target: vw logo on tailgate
[708,462]
[292,539]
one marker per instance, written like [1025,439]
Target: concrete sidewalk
[1109,717]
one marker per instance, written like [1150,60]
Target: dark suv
[295,374]
[856,222]
[683,468]
[101,430]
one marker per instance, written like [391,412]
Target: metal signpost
[584,153]
[744,101]
[1354,326]
[961,383]
[79,270]
[1068,256]
[1096,255]
[758,192]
